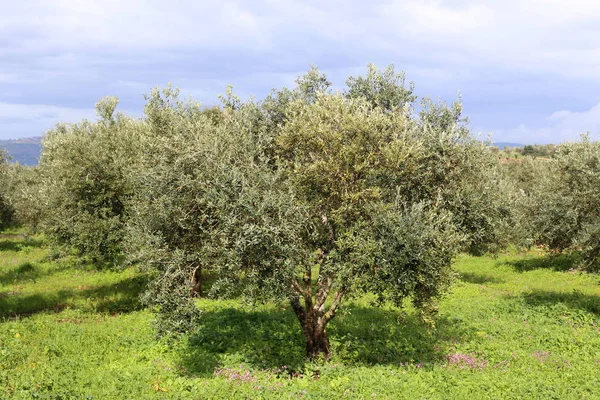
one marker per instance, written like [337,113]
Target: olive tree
[19,199]
[309,197]
[561,199]
[84,182]
[6,209]
[23,188]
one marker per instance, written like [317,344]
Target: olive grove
[308,197]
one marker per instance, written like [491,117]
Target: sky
[527,71]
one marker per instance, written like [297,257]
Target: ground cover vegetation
[519,325]
[309,238]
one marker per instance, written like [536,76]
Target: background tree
[85,186]
[560,199]
[579,165]
[6,209]
[528,150]
[23,188]
[540,198]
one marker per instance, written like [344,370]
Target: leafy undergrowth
[516,326]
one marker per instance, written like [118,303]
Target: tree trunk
[317,344]
[313,323]
[197,282]
[314,315]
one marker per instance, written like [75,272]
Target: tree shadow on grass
[272,339]
[479,279]
[561,262]
[574,300]
[263,339]
[29,271]
[373,336]
[23,272]
[21,244]
[120,297]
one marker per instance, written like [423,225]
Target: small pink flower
[541,356]
[464,361]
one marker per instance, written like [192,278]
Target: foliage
[19,194]
[538,150]
[382,89]
[517,152]
[541,210]
[85,184]
[578,164]
[528,150]
[514,326]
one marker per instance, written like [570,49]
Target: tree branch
[298,310]
[330,229]
[323,292]
[336,302]
[299,289]
[308,280]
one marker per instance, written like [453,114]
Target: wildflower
[464,361]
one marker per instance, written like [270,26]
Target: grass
[515,326]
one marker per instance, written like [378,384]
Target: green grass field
[516,326]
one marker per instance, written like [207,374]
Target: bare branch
[308,280]
[298,310]
[298,288]
[336,302]
[323,292]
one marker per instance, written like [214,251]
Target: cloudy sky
[528,71]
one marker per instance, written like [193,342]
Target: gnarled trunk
[317,343]
[313,318]
[313,324]
[313,315]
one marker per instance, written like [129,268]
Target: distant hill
[25,151]
[502,145]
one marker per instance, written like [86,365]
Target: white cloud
[557,127]
[571,123]
[546,35]
[44,112]
[132,24]
[23,120]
